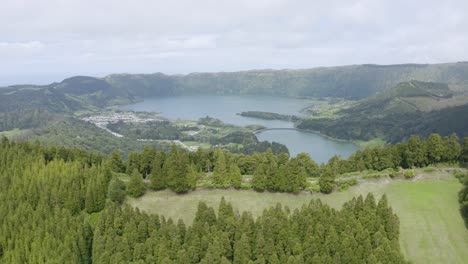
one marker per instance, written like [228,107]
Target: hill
[412,107]
[350,82]
[393,105]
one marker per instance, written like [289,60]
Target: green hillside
[399,100]
[413,107]
[352,82]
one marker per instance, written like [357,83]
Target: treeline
[269,115]
[463,195]
[416,152]
[150,130]
[391,126]
[364,231]
[181,170]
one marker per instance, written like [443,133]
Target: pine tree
[117,191]
[415,154]
[235,176]
[242,253]
[115,162]
[220,176]
[259,179]
[327,181]
[147,157]
[136,186]
[464,150]
[296,176]
[133,162]
[453,148]
[177,168]
[309,165]
[435,148]
[158,177]
[96,190]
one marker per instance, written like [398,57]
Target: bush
[460,175]
[345,184]
[409,174]
[313,187]
[429,169]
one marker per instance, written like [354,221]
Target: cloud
[21,46]
[62,38]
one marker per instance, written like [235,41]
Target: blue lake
[226,108]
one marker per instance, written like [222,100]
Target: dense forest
[65,195]
[364,231]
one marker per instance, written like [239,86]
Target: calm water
[319,147]
[226,108]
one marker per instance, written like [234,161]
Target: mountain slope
[352,82]
[395,114]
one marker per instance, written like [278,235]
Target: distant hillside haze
[349,82]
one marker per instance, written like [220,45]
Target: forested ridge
[409,108]
[56,209]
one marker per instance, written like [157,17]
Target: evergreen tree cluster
[45,194]
[363,231]
[415,152]
[280,173]
[180,170]
[463,196]
[62,206]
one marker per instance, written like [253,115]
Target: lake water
[226,108]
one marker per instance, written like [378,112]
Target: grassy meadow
[431,228]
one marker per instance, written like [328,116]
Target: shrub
[313,187]
[409,174]
[429,169]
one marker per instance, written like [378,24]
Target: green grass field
[14,132]
[431,229]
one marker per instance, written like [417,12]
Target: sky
[42,41]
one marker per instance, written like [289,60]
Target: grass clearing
[431,229]
[14,132]
[376,142]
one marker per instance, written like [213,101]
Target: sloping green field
[431,229]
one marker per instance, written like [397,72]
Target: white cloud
[62,38]
[21,46]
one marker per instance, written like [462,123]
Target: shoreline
[312,132]
[358,143]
